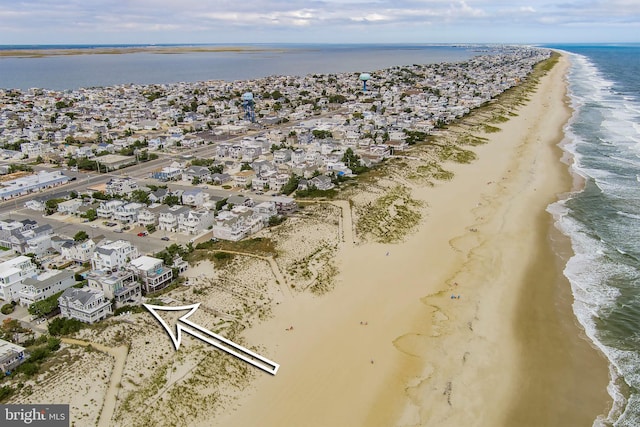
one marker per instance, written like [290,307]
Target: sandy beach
[466,322]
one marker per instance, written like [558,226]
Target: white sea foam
[628,215]
[589,269]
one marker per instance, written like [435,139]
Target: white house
[194,222]
[108,208]
[79,252]
[236,224]
[195,197]
[121,186]
[45,285]
[120,286]
[152,274]
[86,304]
[11,355]
[128,212]
[111,256]
[69,206]
[12,274]
[168,219]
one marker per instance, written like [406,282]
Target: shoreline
[72,51]
[430,359]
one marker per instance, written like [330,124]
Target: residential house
[261,167]
[39,245]
[285,205]
[260,183]
[11,356]
[220,178]
[202,173]
[78,252]
[266,210]
[121,186]
[277,181]
[158,195]
[35,205]
[195,222]
[108,208]
[238,200]
[120,286]
[152,274]
[321,182]
[194,197]
[243,178]
[298,156]
[149,215]
[43,286]
[34,149]
[167,173]
[20,239]
[236,224]
[112,255]
[12,274]
[168,218]
[128,213]
[86,304]
[69,207]
[282,156]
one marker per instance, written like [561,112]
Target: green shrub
[28,368]
[53,343]
[62,326]
[6,392]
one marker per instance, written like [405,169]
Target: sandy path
[120,357]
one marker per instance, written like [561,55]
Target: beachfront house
[236,224]
[11,356]
[119,286]
[87,305]
[152,274]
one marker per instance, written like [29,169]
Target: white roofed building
[12,274]
[151,272]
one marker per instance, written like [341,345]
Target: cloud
[213,20]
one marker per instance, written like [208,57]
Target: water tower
[364,77]
[247,104]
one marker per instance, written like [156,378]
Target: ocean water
[603,219]
[76,71]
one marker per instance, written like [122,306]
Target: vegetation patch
[490,129]
[389,218]
[262,246]
[457,154]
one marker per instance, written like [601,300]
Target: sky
[322,21]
